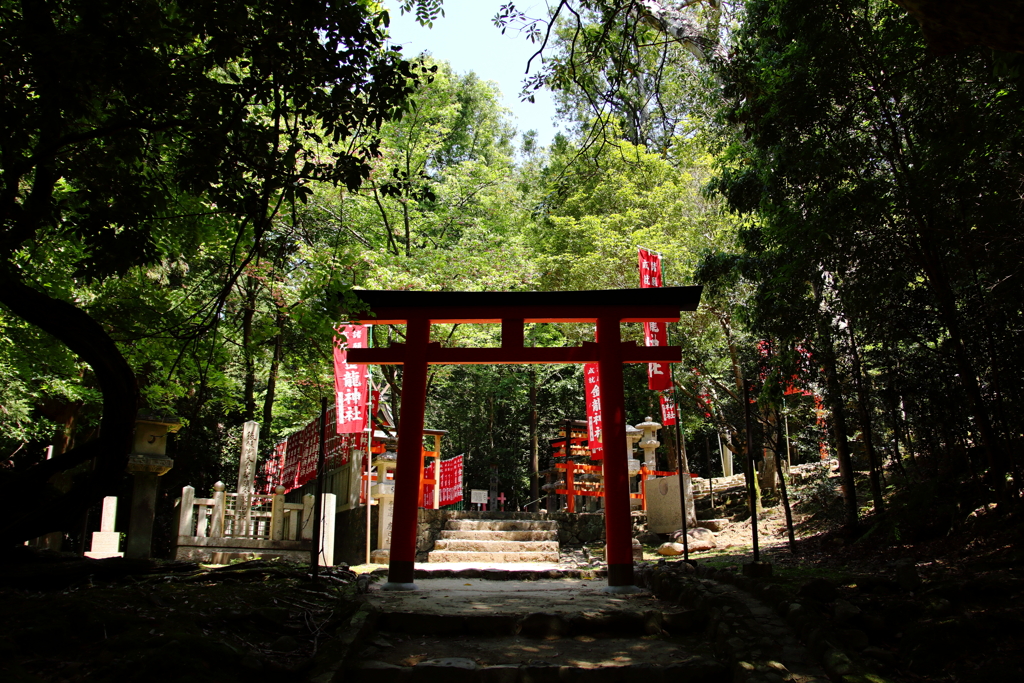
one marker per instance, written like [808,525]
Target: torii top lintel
[656,304]
[513,310]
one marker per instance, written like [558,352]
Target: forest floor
[933,591]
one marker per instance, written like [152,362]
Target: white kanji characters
[595,391]
[351,379]
[654,327]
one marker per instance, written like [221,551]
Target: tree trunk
[834,399]
[865,426]
[248,313]
[940,288]
[25,517]
[275,364]
[783,490]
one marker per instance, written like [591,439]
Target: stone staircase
[496,540]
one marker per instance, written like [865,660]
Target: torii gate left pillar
[607,308]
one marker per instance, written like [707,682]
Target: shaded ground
[957,613]
[88,620]
[931,591]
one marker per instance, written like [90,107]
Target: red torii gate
[607,308]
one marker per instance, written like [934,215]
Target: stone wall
[350,535]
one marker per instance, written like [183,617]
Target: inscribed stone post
[106,541]
[246,478]
[663,505]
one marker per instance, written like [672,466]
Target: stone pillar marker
[147,461]
[246,479]
[106,541]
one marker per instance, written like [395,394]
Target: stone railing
[269,518]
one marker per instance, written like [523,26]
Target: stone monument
[147,462]
[246,479]
[106,542]
[662,493]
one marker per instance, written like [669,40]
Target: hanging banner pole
[749,465]
[372,408]
[318,503]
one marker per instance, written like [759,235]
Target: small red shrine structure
[607,308]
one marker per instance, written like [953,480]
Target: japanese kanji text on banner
[593,397]
[350,384]
[668,411]
[659,376]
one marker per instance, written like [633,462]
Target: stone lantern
[383,492]
[649,442]
[148,460]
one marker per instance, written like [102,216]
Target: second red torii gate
[607,308]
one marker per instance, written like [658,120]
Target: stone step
[465,670]
[501,535]
[495,546]
[465,556]
[501,525]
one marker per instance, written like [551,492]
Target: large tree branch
[670,20]
[87,339]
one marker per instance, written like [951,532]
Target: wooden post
[643,487]
[329,505]
[186,512]
[437,472]
[570,489]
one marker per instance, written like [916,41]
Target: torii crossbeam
[607,308]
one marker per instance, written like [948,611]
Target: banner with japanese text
[451,482]
[350,385]
[668,411]
[592,387]
[659,375]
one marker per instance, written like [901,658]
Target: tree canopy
[189,189]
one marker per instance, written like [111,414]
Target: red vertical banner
[350,385]
[592,389]
[659,376]
[668,411]
[451,480]
[273,469]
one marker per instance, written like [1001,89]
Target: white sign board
[478,496]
